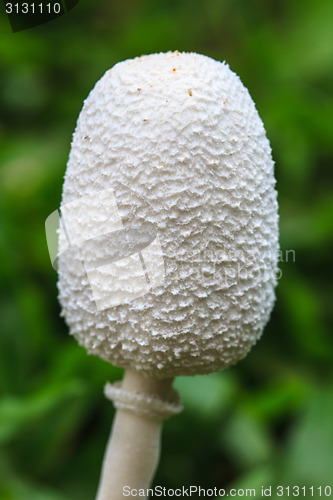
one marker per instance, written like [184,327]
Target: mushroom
[169,239]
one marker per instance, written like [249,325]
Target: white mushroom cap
[172,146]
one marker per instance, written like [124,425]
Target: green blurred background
[266,421]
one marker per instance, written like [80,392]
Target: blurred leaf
[17,413]
[304,317]
[207,396]
[307,227]
[279,397]
[29,163]
[258,477]
[247,440]
[20,490]
[309,455]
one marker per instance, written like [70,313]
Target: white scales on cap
[170,209]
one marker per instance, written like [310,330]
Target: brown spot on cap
[190,92]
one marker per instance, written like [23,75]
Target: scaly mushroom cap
[171,218]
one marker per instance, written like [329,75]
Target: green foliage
[266,421]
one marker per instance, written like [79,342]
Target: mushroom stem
[133,450]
